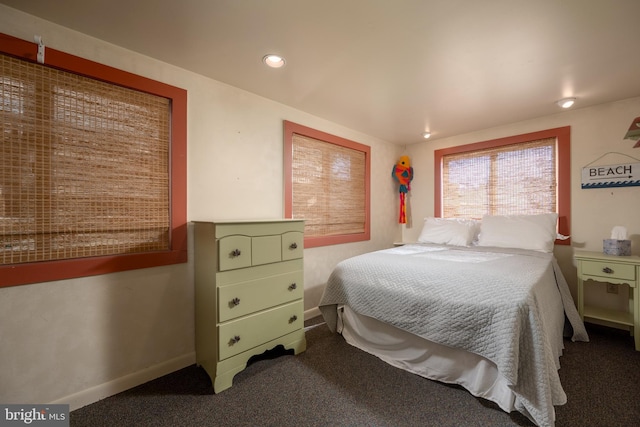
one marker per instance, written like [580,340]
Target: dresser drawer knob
[234,253]
[293,318]
[293,246]
[293,287]
[234,340]
[235,301]
[607,270]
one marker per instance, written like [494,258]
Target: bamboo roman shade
[328,186]
[507,180]
[84,166]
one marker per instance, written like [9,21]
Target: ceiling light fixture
[566,102]
[273,61]
[426,135]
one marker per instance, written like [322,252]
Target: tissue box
[616,247]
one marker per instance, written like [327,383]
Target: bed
[477,312]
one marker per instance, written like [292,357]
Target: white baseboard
[311,313]
[118,385]
[102,391]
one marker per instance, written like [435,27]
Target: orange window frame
[290,129]
[36,272]
[563,170]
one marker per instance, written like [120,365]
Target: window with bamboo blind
[519,175]
[327,185]
[88,169]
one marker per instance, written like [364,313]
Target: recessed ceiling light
[566,102]
[426,135]
[273,61]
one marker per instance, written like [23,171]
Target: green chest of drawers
[248,293]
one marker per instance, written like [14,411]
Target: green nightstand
[616,270]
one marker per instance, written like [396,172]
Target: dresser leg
[225,380]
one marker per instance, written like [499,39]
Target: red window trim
[563,135]
[310,242]
[20,274]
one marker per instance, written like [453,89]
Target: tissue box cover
[616,247]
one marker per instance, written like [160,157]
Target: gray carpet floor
[335,384]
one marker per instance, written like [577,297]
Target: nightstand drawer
[248,297]
[610,270]
[250,331]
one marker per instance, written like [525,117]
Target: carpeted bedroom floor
[335,384]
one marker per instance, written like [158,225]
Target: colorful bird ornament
[403,173]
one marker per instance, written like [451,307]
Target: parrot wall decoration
[403,174]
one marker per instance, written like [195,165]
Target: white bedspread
[484,300]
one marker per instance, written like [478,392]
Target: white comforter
[484,300]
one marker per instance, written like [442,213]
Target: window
[523,174]
[92,168]
[327,185]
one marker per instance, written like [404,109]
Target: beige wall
[76,341]
[595,131]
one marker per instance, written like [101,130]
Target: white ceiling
[388,68]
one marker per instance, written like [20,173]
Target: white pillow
[448,231]
[535,232]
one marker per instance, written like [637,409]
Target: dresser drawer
[292,245]
[609,270]
[234,252]
[248,297]
[243,334]
[266,249]
[239,251]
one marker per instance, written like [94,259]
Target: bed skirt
[430,360]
